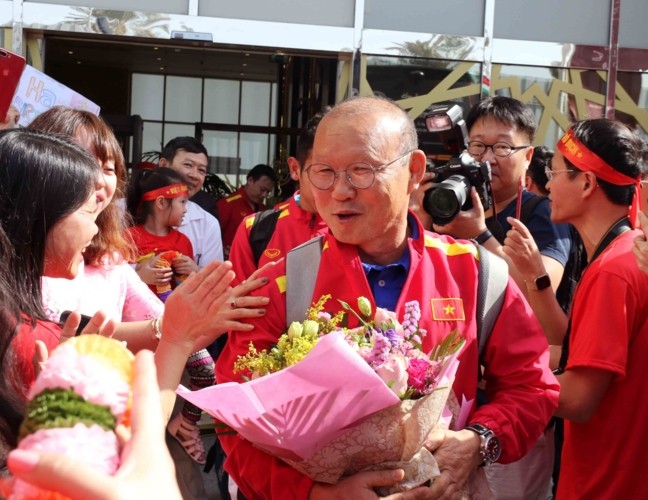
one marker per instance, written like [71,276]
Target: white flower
[311,327]
[295,330]
[394,373]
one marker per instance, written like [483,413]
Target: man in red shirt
[365,165]
[595,176]
[297,221]
[244,201]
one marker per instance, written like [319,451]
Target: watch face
[493,449]
[543,282]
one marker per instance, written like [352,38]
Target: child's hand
[152,275]
[184,265]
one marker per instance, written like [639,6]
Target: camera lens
[444,203]
[444,200]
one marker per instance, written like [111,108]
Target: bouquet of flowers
[373,411]
[75,405]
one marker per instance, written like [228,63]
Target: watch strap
[486,436]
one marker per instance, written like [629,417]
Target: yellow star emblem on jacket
[448,309]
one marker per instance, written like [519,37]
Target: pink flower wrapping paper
[314,419]
[295,412]
[374,411]
[392,438]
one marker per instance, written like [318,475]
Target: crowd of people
[142,256]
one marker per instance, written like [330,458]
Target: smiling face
[506,171]
[107,183]
[374,219]
[191,166]
[68,238]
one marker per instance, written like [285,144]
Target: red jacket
[232,210]
[294,227]
[522,391]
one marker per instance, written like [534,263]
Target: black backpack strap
[491,288]
[302,265]
[262,230]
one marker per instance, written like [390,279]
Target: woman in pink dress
[107,282]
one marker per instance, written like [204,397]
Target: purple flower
[380,350]
[393,337]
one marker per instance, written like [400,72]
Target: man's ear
[528,182]
[528,155]
[589,183]
[417,163]
[163,162]
[294,167]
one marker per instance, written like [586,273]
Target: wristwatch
[540,283]
[489,449]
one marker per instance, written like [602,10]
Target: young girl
[158,201]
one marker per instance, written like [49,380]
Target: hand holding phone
[84,321]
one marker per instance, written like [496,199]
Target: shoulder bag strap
[302,265]
[491,287]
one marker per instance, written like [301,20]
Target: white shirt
[203,230]
[115,289]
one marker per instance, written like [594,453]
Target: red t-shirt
[605,457]
[147,243]
[23,347]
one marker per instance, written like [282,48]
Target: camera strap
[528,207]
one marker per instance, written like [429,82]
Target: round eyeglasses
[361,175]
[501,149]
[550,173]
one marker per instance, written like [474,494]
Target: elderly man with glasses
[365,165]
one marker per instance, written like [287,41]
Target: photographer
[501,131]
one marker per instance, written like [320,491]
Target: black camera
[450,191]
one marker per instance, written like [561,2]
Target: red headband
[584,159]
[170,191]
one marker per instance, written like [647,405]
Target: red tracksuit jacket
[522,391]
[294,227]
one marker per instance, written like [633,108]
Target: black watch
[540,283]
[489,449]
